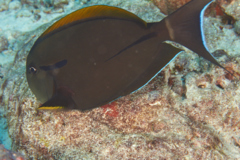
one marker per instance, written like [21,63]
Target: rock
[14,5]
[60,3]
[4,5]
[237,27]
[28,2]
[3,43]
[9,155]
[37,16]
[24,13]
[168,6]
[231,7]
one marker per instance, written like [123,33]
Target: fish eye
[32,70]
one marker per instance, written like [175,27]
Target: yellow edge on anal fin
[50,108]
[94,12]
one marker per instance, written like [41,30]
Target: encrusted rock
[37,16]
[9,155]
[168,6]
[237,27]
[3,43]
[177,85]
[15,5]
[24,13]
[4,5]
[231,7]
[60,3]
[204,81]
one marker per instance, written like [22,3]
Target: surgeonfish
[100,53]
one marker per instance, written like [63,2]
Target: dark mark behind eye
[54,66]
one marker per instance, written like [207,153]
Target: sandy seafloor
[189,111]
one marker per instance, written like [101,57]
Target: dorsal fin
[97,11]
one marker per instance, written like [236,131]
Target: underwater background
[190,110]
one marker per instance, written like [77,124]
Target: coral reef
[9,155]
[189,111]
[4,4]
[14,5]
[168,6]
[3,43]
[4,137]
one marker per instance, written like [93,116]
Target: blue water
[4,137]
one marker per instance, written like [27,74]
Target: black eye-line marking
[57,65]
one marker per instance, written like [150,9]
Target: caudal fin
[185,27]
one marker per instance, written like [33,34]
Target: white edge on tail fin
[201,25]
[203,39]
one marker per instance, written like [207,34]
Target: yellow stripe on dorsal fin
[94,12]
[50,108]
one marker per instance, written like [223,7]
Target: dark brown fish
[100,53]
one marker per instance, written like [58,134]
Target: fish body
[100,53]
